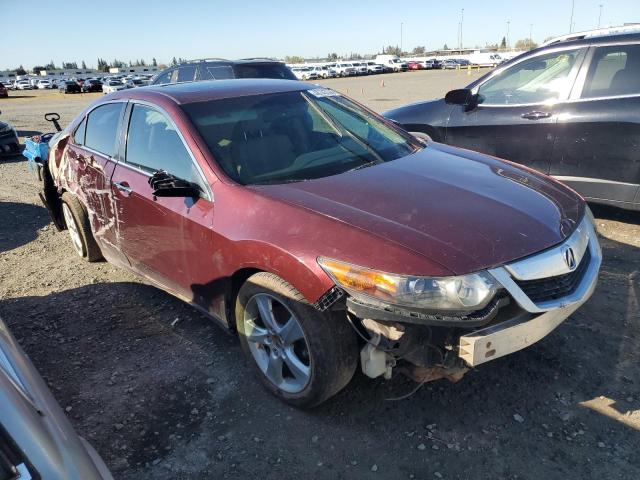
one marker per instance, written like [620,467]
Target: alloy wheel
[277,343]
[73,229]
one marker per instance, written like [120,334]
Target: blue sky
[233,29]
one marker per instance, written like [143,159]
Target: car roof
[192,92]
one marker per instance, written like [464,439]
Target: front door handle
[536,115]
[124,187]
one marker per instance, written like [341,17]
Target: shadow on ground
[19,224]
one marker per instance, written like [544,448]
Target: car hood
[463,210]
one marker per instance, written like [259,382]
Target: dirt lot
[162,393]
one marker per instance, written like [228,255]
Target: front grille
[554,288]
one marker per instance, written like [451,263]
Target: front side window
[295,136]
[542,79]
[613,71]
[154,144]
[102,128]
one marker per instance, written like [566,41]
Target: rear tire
[325,349]
[77,222]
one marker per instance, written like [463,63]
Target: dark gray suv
[221,69]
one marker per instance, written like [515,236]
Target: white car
[112,86]
[324,72]
[344,69]
[361,68]
[23,85]
[42,84]
[304,73]
[373,67]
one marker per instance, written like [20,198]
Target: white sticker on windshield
[323,92]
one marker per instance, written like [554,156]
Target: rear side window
[222,72]
[163,78]
[78,135]
[186,74]
[154,144]
[102,128]
[613,71]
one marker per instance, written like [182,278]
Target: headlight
[462,293]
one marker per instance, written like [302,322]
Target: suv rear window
[268,70]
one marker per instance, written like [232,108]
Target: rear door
[598,136]
[516,115]
[91,153]
[166,239]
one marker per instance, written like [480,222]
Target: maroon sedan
[321,233]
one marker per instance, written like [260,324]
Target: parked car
[337,237]
[323,71]
[304,73]
[9,142]
[373,67]
[361,68]
[112,86]
[36,439]
[92,85]
[23,85]
[220,69]
[345,69]
[4,93]
[43,84]
[69,86]
[415,65]
[449,64]
[570,109]
[433,64]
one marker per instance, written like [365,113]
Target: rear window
[270,70]
[102,128]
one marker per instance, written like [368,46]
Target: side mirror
[461,96]
[166,185]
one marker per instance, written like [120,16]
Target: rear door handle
[124,187]
[536,115]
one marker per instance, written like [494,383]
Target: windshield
[265,70]
[295,136]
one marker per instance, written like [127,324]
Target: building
[141,70]
[68,72]
[7,76]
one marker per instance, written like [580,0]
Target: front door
[598,133]
[515,118]
[165,238]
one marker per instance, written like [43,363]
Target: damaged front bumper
[539,293]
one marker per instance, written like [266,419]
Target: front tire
[301,355]
[77,222]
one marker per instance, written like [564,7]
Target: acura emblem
[569,258]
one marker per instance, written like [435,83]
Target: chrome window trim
[208,192]
[582,292]
[573,73]
[84,117]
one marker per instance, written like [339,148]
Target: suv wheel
[301,355]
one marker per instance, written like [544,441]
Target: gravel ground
[162,393]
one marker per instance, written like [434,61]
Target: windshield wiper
[364,165]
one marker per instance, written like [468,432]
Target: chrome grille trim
[532,267]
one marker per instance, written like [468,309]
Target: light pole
[599,15]
[530,28]
[401,24]
[508,23]
[573,4]
[461,22]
